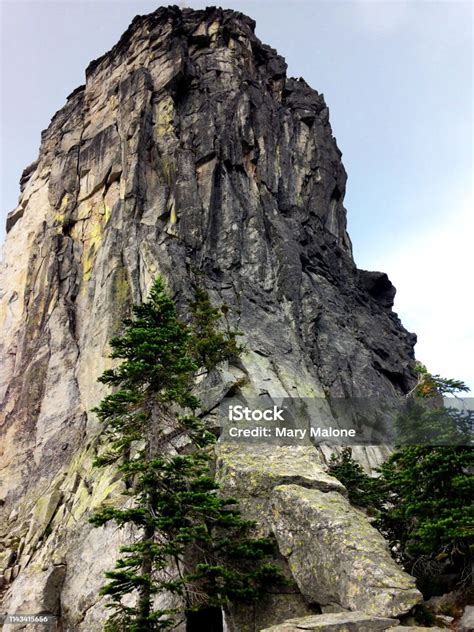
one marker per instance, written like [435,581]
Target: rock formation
[188,149]
[351,621]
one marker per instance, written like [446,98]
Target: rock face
[187,149]
[354,566]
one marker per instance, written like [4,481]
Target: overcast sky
[397,77]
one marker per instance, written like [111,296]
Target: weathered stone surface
[188,148]
[332,607]
[414,628]
[251,473]
[335,555]
[38,591]
[447,603]
[256,471]
[336,622]
[467,620]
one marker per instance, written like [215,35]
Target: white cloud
[433,275]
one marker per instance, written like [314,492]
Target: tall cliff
[187,149]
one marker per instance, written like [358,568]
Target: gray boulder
[336,556]
[251,475]
[336,622]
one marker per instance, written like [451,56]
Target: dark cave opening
[208,619]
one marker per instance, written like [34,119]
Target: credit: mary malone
[290,433]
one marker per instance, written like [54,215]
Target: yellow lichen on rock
[60,216]
[93,232]
[172,214]
[212,31]
[43,512]
[164,116]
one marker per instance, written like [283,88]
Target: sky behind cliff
[397,77]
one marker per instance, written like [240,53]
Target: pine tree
[191,542]
[423,494]
[427,486]
[210,346]
[362,490]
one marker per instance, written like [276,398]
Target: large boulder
[251,474]
[336,556]
[336,622]
[256,471]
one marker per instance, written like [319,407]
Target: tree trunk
[145,598]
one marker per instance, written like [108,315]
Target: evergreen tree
[362,489]
[210,346]
[191,542]
[423,496]
[427,486]
[429,385]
